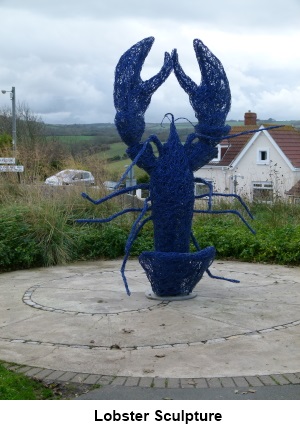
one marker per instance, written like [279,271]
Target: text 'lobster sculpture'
[171,268]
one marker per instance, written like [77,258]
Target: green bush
[39,229]
[93,241]
[17,250]
[273,243]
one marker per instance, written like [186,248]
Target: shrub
[96,241]
[38,228]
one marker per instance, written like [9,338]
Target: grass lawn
[117,168]
[16,386]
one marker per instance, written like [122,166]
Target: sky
[60,55]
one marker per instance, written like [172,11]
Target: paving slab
[77,321]
[285,392]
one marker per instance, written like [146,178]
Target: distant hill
[109,129]
[107,133]
[101,140]
[78,129]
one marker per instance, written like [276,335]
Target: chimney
[250,118]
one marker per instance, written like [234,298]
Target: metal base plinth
[152,296]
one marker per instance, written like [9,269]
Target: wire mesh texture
[171,268]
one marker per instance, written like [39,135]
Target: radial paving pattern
[50,312]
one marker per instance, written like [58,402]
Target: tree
[5,145]
[37,153]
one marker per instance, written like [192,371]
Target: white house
[259,166]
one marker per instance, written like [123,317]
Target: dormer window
[221,152]
[263,156]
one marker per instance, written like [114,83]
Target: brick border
[236,382]
[27,300]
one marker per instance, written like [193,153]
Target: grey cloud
[266,14]
[61,55]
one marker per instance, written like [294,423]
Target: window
[77,177]
[202,188]
[262,192]
[263,156]
[221,152]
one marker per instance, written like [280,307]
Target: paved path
[76,323]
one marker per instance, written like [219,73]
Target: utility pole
[14,117]
[12,167]
[234,179]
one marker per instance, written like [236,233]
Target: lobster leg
[226,211]
[115,194]
[137,226]
[210,195]
[196,244]
[236,196]
[127,249]
[108,219]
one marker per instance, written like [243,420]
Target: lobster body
[172,201]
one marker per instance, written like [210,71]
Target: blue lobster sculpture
[171,268]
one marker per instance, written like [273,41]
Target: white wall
[248,170]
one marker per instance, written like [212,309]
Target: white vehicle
[71,177]
[110,185]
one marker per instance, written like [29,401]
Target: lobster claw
[132,95]
[210,100]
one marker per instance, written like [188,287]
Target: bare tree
[38,153]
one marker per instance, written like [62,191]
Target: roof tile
[286,137]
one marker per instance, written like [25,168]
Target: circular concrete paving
[80,318]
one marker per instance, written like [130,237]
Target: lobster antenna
[167,116]
[182,117]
